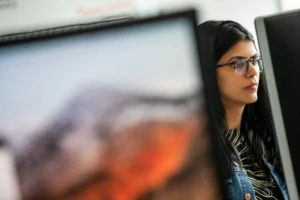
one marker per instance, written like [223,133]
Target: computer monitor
[114,112]
[279,42]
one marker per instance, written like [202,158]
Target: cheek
[228,86]
[223,82]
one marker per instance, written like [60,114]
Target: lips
[251,86]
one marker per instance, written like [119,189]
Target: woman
[246,128]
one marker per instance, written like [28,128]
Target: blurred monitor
[116,112]
[279,41]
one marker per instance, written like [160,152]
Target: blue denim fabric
[279,181]
[238,185]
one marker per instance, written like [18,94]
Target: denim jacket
[239,187]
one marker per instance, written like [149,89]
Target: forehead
[244,48]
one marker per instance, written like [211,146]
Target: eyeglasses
[241,66]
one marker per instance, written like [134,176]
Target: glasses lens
[256,62]
[259,64]
[241,66]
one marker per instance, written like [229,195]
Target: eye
[240,64]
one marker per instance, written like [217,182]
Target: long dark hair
[257,124]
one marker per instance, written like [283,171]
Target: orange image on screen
[122,145]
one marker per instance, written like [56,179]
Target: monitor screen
[279,41]
[116,113]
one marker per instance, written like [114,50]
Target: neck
[234,114]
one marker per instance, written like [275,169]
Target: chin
[252,99]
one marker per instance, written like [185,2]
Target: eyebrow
[242,57]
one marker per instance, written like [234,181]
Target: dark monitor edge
[276,109]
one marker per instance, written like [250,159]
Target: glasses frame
[252,60]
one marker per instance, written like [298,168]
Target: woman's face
[236,89]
